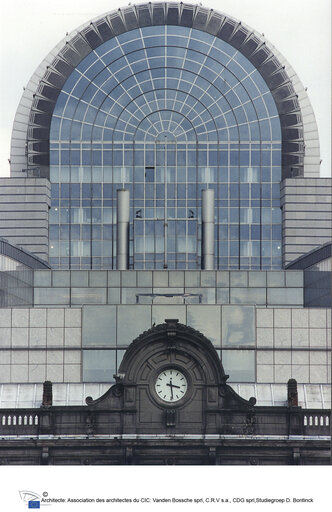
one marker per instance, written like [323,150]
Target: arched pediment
[171,377]
[180,339]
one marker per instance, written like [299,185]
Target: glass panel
[294,278]
[126,120]
[88,295]
[51,296]
[239,365]
[99,326]
[285,296]
[238,325]
[61,278]
[161,313]
[140,321]
[99,365]
[42,277]
[239,279]
[275,278]
[248,296]
[205,319]
[257,278]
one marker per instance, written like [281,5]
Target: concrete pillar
[208,229]
[122,239]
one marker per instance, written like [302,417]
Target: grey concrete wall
[24,207]
[306,215]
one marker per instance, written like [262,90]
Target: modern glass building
[165,161]
[165,112]
[166,101]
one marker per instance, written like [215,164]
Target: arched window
[165,111]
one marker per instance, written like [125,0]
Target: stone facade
[24,207]
[306,215]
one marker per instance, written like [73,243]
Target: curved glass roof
[102,33]
[166,112]
[179,81]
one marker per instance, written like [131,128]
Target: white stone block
[72,357]
[72,373]
[55,336]
[55,317]
[73,337]
[54,357]
[318,357]
[20,357]
[282,357]
[4,373]
[318,374]
[54,372]
[20,337]
[5,357]
[282,337]
[5,317]
[38,317]
[73,317]
[264,357]
[37,357]
[265,373]
[300,318]
[19,373]
[37,337]
[300,373]
[300,337]
[317,318]
[20,317]
[264,317]
[282,373]
[5,337]
[37,373]
[282,317]
[264,337]
[300,357]
[318,337]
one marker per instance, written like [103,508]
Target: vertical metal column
[207,229]
[122,224]
[165,266]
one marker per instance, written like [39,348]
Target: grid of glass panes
[165,112]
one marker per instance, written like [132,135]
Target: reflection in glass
[165,128]
[239,365]
[238,325]
[99,326]
[99,365]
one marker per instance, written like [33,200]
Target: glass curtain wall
[165,112]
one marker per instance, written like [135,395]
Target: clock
[171,385]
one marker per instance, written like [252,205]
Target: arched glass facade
[165,112]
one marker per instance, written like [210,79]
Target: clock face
[171,385]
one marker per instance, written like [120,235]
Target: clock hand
[173,385]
